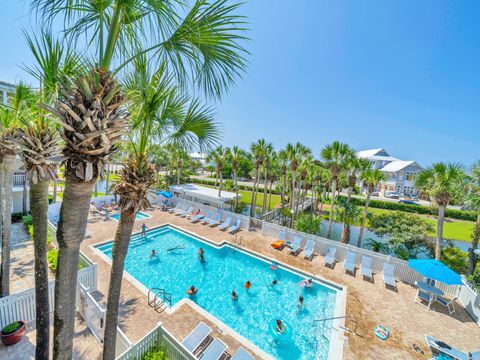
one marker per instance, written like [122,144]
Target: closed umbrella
[436,270]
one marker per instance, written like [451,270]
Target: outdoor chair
[330,256]
[366,267]
[349,263]
[389,276]
[235,227]
[193,340]
[448,303]
[214,351]
[424,297]
[296,245]
[242,354]
[225,224]
[308,251]
[214,222]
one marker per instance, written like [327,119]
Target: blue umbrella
[436,270]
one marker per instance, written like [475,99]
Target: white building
[6,90]
[400,173]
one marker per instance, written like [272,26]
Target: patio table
[430,289]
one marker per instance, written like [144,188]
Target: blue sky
[403,75]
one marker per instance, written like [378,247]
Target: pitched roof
[395,166]
[369,153]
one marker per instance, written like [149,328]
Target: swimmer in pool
[192,290]
[234,295]
[280,326]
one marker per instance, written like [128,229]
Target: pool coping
[337,337]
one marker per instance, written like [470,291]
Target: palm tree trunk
[2,196]
[346,234]
[472,257]
[8,168]
[119,252]
[265,188]
[332,206]
[39,209]
[324,194]
[270,196]
[70,233]
[107,180]
[252,205]
[441,219]
[96,188]
[364,220]
[236,188]
[294,176]
[284,185]
[55,189]
[179,173]
[220,186]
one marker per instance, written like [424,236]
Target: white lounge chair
[438,348]
[349,262]
[366,267]
[206,218]
[234,228]
[216,221]
[448,303]
[424,297]
[193,340]
[226,223]
[308,251]
[330,256]
[214,351]
[282,235]
[388,275]
[296,245]
[178,208]
[242,354]
[185,212]
[197,218]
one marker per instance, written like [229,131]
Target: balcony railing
[18,179]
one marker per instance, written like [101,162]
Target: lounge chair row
[230,225]
[365,266]
[203,346]
[297,246]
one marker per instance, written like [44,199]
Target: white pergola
[199,193]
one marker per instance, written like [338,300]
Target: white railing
[158,337]
[470,299]
[21,306]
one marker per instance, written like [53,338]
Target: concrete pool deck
[369,303]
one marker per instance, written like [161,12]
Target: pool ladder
[159,299]
[237,242]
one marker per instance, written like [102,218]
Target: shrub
[27,221]
[156,353]
[308,223]
[16,217]
[52,258]
[455,259]
[11,328]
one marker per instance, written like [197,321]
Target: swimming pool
[224,270]
[138,216]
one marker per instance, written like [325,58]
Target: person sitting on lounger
[281,328]
[234,295]
[195,212]
[201,255]
[192,290]
[153,253]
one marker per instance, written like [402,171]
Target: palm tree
[258,150]
[11,117]
[442,183]
[295,152]
[219,156]
[355,167]
[473,203]
[348,214]
[283,157]
[235,156]
[160,114]
[201,44]
[336,156]
[269,155]
[371,178]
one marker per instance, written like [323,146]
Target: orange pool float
[278,244]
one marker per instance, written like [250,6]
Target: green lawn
[247,198]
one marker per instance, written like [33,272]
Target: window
[411,176]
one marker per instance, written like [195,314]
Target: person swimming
[153,253]
[192,290]
[280,326]
[300,302]
[247,285]
[274,282]
[201,255]
[234,295]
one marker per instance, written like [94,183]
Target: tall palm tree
[200,44]
[38,143]
[347,213]
[371,178]
[473,202]
[235,155]
[11,117]
[258,150]
[295,153]
[442,183]
[219,156]
[283,158]
[160,115]
[336,156]
[355,167]
[267,160]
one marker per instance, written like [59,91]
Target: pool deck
[370,303]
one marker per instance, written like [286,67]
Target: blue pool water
[138,216]
[224,270]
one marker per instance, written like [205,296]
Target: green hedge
[417,209]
